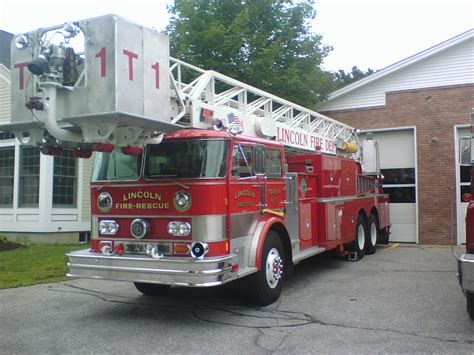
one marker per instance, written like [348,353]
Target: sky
[366,33]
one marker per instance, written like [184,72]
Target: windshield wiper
[169,176]
[114,179]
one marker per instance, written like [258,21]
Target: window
[242,161]
[6,136]
[65,180]
[7,171]
[465,175]
[116,166]
[398,176]
[29,176]
[184,159]
[400,184]
[400,194]
[273,163]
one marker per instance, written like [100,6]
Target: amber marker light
[467,197]
[181,249]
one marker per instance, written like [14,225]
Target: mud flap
[352,256]
[384,236]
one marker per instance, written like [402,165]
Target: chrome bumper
[466,272]
[168,270]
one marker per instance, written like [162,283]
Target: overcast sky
[364,33]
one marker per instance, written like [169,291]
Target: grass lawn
[34,264]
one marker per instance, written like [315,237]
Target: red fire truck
[199,179]
[466,261]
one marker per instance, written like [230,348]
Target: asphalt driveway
[402,299]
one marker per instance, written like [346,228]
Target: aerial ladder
[115,92]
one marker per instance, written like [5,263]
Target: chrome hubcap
[373,233]
[361,237]
[274,268]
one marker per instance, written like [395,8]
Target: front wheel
[470,304]
[264,287]
[151,289]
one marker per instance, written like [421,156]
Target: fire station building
[418,109]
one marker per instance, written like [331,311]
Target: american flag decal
[234,119]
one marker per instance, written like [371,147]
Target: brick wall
[434,112]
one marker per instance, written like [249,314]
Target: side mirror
[259,159]
[465,151]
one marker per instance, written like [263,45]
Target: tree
[264,43]
[341,78]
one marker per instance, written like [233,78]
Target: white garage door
[398,166]
[463,183]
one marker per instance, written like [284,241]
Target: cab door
[275,186]
[245,191]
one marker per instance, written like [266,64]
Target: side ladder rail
[193,83]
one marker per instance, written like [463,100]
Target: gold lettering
[242,204]
[141,195]
[142,205]
[274,191]
[244,193]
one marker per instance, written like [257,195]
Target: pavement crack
[400,332]
[261,318]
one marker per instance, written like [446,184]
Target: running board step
[307,253]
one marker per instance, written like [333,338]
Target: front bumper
[136,268]
[466,272]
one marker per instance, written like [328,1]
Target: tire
[470,304]
[264,287]
[358,245]
[151,289]
[372,235]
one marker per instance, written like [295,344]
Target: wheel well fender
[374,212]
[256,246]
[363,213]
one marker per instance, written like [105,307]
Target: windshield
[116,166]
[187,159]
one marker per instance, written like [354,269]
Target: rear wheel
[358,245]
[151,289]
[470,304]
[372,235]
[264,287]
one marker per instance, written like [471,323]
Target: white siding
[452,66]
[4,95]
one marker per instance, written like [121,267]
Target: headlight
[182,201]
[179,229]
[104,202]
[139,228]
[173,228]
[108,227]
[184,229]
